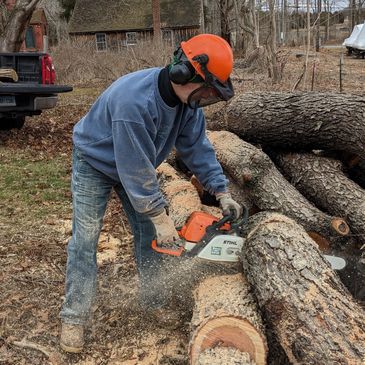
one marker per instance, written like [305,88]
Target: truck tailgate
[26,88]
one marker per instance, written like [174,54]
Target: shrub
[78,62]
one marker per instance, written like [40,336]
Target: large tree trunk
[14,24]
[323,182]
[253,169]
[296,121]
[312,314]
[226,315]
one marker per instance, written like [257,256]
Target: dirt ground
[33,248]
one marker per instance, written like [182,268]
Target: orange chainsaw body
[195,227]
[193,231]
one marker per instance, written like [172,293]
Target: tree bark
[15,22]
[253,169]
[322,181]
[181,195]
[226,315]
[296,120]
[313,315]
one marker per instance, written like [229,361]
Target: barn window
[131,38]
[100,42]
[29,38]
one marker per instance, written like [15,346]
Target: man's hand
[165,228]
[228,204]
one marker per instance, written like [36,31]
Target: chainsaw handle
[221,222]
[230,218]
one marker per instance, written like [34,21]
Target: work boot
[72,337]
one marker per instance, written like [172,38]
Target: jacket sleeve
[135,158]
[199,156]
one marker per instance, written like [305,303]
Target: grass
[35,187]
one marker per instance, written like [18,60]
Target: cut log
[296,120]
[181,195]
[226,315]
[302,299]
[322,181]
[251,168]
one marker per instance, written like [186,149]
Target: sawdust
[224,355]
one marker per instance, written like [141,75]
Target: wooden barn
[113,25]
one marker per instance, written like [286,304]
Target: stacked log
[323,181]
[313,315]
[322,121]
[226,316]
[249,166]
[281,153]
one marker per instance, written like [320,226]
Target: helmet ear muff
[181,71]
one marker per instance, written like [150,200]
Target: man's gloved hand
[165,228]
[228,204]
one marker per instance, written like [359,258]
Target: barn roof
[128,15]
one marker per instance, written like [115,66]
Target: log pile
[297,161]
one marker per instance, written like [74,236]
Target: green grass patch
[35,186]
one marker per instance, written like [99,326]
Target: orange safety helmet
[218,51]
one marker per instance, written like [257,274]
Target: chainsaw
[209,238]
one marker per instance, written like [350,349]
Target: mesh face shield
[209,94]
[212,91]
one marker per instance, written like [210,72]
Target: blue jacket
[130,130]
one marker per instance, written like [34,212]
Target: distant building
[116,24]
[37,29]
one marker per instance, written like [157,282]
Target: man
[127,133]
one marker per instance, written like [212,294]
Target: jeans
[91,190]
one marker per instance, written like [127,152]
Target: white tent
[359,42]
[348,42]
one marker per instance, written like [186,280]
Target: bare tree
[275,69]
[156,20]
[247,23]
[57,22]
[14,23]
[225,7]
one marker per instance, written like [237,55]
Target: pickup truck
[30,91]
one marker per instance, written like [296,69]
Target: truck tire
[10,123]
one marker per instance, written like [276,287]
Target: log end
[340,226]
[229,332]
